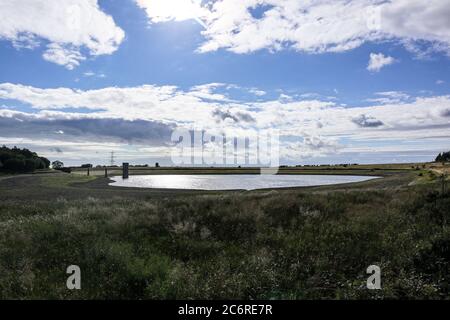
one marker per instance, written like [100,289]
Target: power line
[112,159]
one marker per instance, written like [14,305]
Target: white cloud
[309,146]
[306,26]
[198,105]
[90,74]
[257,92]
[415,20]
[378,61]
[64,56]
[285,97]
[25,41]
[311,26]
[207,91]
[390,97]
[64,26]
[173,10]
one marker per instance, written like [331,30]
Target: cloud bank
[144,116]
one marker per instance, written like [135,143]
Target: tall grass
[288,245]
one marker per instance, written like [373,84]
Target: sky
[364,81]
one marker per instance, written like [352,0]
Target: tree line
[443,157]
[16,160]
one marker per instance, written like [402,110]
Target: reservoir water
[233,181]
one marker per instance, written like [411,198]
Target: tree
[31,164]
[21,160]
[15,165]
[57,164]
[45,162]
[443,157]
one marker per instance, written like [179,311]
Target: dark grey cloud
[364,121]
[317,143]
[117,130]
[236,117]
[446,113]
[56,149]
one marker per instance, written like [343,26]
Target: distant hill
[17,160]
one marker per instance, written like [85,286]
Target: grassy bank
[294,244]
[379,169]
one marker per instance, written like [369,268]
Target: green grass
[294,244]
[65,180]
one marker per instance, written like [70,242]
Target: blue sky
[368,93]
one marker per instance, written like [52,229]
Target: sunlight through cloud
[173,10]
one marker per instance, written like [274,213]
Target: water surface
[232,181]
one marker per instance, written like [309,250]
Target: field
[301,243]
[338,169]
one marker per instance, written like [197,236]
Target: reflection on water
[232,182]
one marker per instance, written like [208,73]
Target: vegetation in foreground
[281,245]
